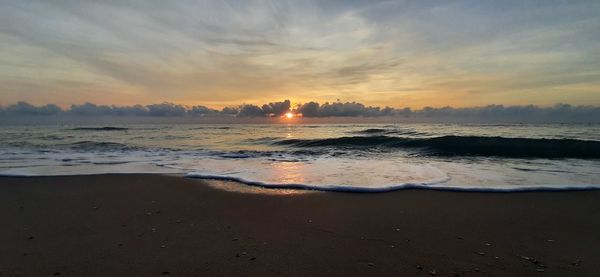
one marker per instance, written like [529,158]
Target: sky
[222,53]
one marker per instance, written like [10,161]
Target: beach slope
[156,225]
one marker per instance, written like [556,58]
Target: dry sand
[154,225]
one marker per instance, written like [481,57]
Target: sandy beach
[157,225]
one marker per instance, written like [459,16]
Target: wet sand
[154,225]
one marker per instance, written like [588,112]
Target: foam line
[404,186]
[343,188]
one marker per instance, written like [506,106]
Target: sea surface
[332,157]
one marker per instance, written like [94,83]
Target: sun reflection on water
[288,172]
[233,186]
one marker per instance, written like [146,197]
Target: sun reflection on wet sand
[233,186]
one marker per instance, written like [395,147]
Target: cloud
[276,108]
[166,109]
[310,109]
[339,109]
[249,110]
[230,111]
[409,53]
[272,109]
[491,113]
[24,108]
[202,111]
[91,109]
[528,113]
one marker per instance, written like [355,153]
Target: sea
[326,157]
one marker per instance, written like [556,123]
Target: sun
[289,115]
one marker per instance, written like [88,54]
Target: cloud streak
[401,53]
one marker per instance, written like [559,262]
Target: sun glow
[289,115]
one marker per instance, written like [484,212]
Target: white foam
[388,188]
[324,173]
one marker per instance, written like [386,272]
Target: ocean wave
[261,140]
[372,131]
[99,146]
[464,146]
[211,128]
[289,154]
[52,137]
[378,131]
[100,129]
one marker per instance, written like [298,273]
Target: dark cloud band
[490,113]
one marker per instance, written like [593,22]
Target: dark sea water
[345,157]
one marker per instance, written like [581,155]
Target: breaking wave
[464,146]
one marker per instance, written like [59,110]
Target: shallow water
[339,157]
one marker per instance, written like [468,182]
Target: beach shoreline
[153,225]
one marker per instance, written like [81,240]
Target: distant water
[339,157]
